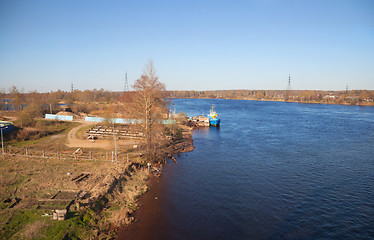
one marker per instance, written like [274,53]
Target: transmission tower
[126,83]
[288,91]
[72,87]
[346,89]
[289,83]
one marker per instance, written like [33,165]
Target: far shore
[365,104]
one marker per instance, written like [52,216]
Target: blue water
[274,170]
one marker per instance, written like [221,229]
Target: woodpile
[122,132]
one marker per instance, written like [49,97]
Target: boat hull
[215,122]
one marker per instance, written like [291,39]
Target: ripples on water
[275,170]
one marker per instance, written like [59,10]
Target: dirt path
[10,118]
[73,141]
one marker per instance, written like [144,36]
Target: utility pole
[2,142]
[115,146]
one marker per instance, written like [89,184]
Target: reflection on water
[208,132]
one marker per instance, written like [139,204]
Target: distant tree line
[54,101]
[352,97]
[108,103]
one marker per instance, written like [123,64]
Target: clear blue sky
[195,45]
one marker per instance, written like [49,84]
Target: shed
[6,126]
[59,214]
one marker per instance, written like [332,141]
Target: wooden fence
[79,155]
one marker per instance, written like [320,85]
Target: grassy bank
[100,196]
[111,192]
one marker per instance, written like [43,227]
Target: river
[273,170]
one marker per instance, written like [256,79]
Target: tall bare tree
[149,106]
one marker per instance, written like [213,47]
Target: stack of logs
[122,132]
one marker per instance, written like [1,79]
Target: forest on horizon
[91,101]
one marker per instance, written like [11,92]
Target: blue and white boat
[213,118]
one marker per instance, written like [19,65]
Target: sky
[195,45]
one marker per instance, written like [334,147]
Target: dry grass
[42,178]
[126,197]
[29,179]
[32,230]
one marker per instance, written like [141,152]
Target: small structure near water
[200,121]
[6,126]
[59,214]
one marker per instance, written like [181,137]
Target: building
[6,126]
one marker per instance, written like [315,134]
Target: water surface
[274,170]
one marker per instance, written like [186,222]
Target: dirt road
[74,142]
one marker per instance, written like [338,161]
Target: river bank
[99,196]
[121,203]
[146,206]
[149,216]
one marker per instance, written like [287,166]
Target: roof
[5,123]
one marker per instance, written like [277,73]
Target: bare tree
[149,106]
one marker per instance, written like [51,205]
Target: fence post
[43,153]
[90,155]
[112,156]
[27,153]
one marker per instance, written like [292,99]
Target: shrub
[167,131]
[80,107]
[25,134]
[35,110]
[178,134]
[26,119]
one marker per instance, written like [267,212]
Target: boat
[213,120]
